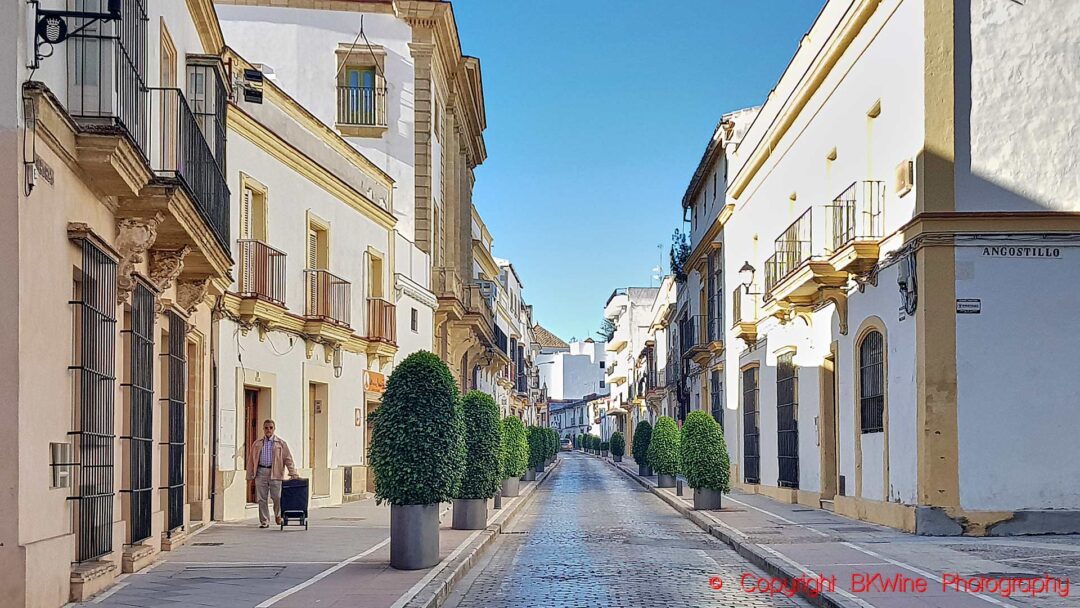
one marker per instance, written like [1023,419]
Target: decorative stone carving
[133,237]
[190,292]
[166,265]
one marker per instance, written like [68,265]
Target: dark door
[787,421]
[251,431]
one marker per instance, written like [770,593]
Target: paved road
[592,537]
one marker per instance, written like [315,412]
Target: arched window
[872,382]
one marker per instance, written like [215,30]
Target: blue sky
[598,112]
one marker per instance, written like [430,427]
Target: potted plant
[481,476]
[663,454]
[603,449]
[642,435]
[704,459]
[551,445]
[618,446]
[515,455]
[417,455]
[536,449]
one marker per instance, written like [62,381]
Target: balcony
[361,111]
[619,339]
[857,221]
[797,269]
[329,302]
[697,334]
[261,281]
[381,321]
[744,315]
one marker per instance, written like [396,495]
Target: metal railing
[792,248]
[262,271]
[688,332]
[182,152]
[328,297]
[382,321]
[140,490]
[361,105]
[177,404]
[501,341]
[857,214]
[743,307]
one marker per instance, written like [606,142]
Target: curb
[753,552]
[434,593]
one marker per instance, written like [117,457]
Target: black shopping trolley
[294,502]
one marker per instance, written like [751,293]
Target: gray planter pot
[414,536]
[530,475]
[539,468]
[603,453]
[644,470]
[617,458]
[470,514]
[665,481]
[511,487]
[706,499]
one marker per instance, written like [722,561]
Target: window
[414,320]
[361,97]
[751,420]
[716,397]
[872,382]
[601,384]
[601,365]
[787,420]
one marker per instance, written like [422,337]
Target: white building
[572,371]
[629,309]
[657,368]
[908,249]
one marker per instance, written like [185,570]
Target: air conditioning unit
[905,177]
[60,461]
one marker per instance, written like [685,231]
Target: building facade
[572,371]
[116,247]
[881,239]
[628,309]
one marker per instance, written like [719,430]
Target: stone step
[826,504]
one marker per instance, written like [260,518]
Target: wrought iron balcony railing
[793,247]
[857,214]
[329,297]
[382,321]
[361,105]
[262,271]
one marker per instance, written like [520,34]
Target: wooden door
[251,431]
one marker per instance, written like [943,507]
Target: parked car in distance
[567,445]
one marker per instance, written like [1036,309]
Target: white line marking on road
[925,574]
[318,577]
[105,596]
[774,515]
[411,593]
[812,574]
[250,564]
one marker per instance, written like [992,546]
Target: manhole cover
[206,544]
[229,572]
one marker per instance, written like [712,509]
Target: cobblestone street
[592,537]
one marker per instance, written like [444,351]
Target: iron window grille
[716,397]
[140,388]
[872,383]
[751,427]
[787,420]
[93,365]
[176,402]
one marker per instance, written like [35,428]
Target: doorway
[252,432]
[829,437]
[318,431]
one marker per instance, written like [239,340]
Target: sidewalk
[790,541]
[343,559]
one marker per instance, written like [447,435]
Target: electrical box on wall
[905,177]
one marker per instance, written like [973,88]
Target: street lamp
[746,276]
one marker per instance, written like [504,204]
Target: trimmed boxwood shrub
[663,451]
[704,453]
[618,444]
[642,435]
[482,475]
[603,446]
[536,446]
[417,443]
[515,447]
[552,442]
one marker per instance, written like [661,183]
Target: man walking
[266,463]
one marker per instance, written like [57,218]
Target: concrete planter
[603,453]
[511,487]
[665,481]
[414,536]
[530,475]
[644,470]
[470,514]
[539,468]
[617,458]
[706,499]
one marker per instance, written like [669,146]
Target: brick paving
[591,538]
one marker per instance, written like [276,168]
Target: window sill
[372,131]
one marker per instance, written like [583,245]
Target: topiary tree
[553,439]
[536,446]
[663,454]
[618,444]
[482,475]
[603,446]
[515,447]
[704,453]
[417,445]
[642,435]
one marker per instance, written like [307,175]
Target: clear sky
[598,113]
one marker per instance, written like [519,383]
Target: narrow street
[592,537]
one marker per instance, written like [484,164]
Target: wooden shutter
[313,278]
[245,213]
